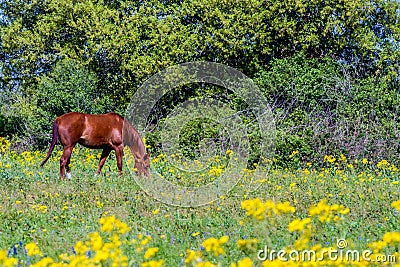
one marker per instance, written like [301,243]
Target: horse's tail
[53,142]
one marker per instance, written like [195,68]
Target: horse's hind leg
[103,157]
[67,168]
[64,161]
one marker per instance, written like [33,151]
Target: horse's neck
[136,144]
[139,148]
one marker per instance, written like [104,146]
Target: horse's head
[142,165]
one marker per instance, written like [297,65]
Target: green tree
[70,87]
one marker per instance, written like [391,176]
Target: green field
[51,222]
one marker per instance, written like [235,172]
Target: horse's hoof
[68,175]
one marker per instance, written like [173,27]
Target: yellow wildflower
[80,248]
[205,264]
[122,227]
[215,245]
[329,159]
[96,242]
[246,262]
[43,262]
[192,256]
[150,253]
[155,212]
[299,225]
[255,208]
[285,207]
[32,249]
[195,234]
[216,171]
[101,255]
[247,244]
[383,163]
[4,145]
[153,263]
[350,166]
[108,224]
[326,212]
[391,238]
[396,205]
[377,245]
[5,261]
[294,153]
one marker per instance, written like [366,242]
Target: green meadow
[108,220]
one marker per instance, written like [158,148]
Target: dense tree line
[330,63]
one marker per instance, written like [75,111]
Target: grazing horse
[99,132]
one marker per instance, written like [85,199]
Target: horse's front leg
[119,152]
[103,157]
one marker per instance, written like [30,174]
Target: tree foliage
[125,42]
[321,110]
[70,87]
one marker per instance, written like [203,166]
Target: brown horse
[99,132]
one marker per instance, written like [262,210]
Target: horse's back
[81,119]
[91,130]
[105,121]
